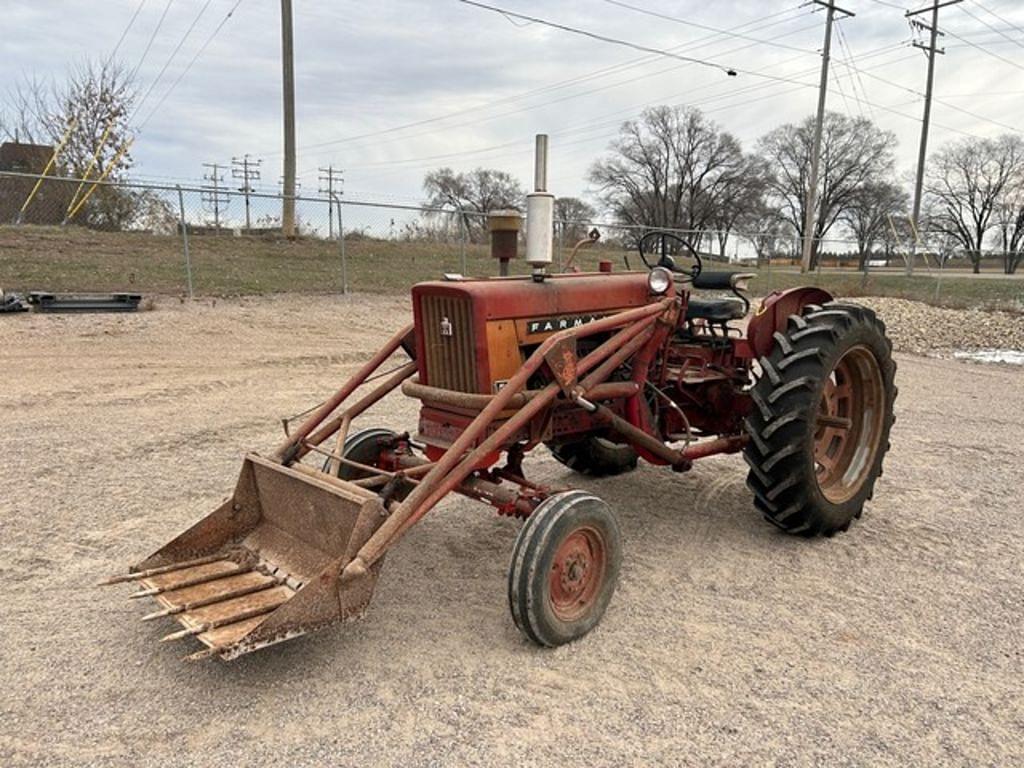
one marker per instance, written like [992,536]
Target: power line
[171,58]
[603,38]
[996,15]
[488,118]
[633,63]
[127,28]
[412,163]
[152,37]
[945,103]
[592,125]
[848,61]
[192,61]
[984,50]
[731,71]
[994,29]
[688,23]
[842,94]
[601,122]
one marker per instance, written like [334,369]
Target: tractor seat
[715,310]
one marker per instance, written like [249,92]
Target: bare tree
[95,97]
[575,215]
[966,184]
[854,152]
[94,102]
[671,168]
[770,234]
[868,213]
[477,191]
[1010,223]
[738,199]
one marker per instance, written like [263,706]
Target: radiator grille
[450,360]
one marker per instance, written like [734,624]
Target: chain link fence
[60,234]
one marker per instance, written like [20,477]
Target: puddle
[1008,356]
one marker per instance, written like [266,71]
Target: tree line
[674,168]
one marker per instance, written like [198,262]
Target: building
[48,205]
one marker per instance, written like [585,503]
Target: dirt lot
[898,643]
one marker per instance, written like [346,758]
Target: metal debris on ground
[11,303]
[84,302]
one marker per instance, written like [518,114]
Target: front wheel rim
[848,425]
[577,572]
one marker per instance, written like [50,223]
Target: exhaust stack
[540,215]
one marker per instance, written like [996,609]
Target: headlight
[658,280]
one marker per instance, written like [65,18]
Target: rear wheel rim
[848,425]
[577,573]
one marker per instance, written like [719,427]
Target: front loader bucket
[264,566]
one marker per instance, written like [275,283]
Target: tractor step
[263,567]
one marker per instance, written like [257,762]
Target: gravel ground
[923,329]
[727,643]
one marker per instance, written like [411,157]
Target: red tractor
[603,369]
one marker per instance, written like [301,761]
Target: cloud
[366,67]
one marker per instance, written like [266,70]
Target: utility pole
[812,191]
[288,72]
[329,177]
[214,196]
[922,151]
[248,171]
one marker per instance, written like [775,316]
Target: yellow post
[917,239]
[46,170]
[92,164]
[113,164]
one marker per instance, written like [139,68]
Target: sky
[390,89]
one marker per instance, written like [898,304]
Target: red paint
[774,312]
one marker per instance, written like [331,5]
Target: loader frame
[512,420]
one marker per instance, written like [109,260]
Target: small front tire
[365,447]
[565,566]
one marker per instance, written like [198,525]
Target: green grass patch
[73,259]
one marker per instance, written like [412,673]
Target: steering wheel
[645,247]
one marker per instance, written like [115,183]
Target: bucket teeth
[246,607]
[205,573]
[203,654]
[217,598]
[184,633]
[138,575]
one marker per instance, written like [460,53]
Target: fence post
[184,240]
[341,247]
[561,244]
[462,242]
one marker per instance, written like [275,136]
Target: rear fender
[775,310]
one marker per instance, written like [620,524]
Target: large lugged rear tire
[565,566]
[595,456]
[823,409]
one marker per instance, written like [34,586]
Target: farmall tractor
[602,369]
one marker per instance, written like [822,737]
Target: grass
[72,259]
[958,289]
